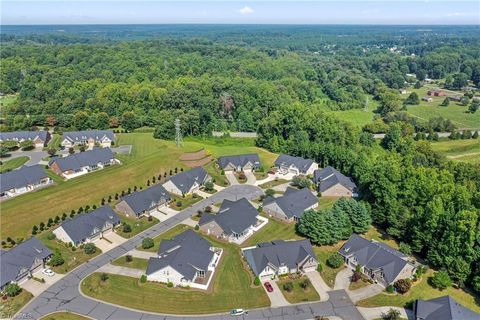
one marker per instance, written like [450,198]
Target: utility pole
[178,133]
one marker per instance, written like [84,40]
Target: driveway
[376,313]
[342,280]
[251,179]
[276,296]
[34,155]
[231,178]
[365,292]
[164,213]
[36,287]
[319,284]
[114,240]
[203,194]
[282,187]
[123,271]
[123,149]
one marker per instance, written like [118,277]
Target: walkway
[319,285]
[342,280]
[365,292]
[231,178]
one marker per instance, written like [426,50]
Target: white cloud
[455,14]
[246,10]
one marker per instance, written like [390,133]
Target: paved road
[34,155]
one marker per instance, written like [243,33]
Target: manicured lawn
[273,230]
[216,174]
[11,164]
[421,290]
[273,183]
[55,141]
[138,225]
[326,202]
[64,316]
[184,202]
[11,306]
[323,253]
[72,258]
[232,288]
[136,263]
[380,236]
[363,282]
[298,294]
[149,157]
[459,150]
[166,235]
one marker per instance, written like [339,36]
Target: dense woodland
[278,83]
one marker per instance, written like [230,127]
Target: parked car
[238,312]
[48,272]
[268,286]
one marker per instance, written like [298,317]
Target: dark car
[268,286]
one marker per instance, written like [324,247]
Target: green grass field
[298,294]
[149,157]
[358,117]
[459,150]
[8,100]
[64,316]
[12,164]
[11,306]
[138,225]
[166,235]
[136,263]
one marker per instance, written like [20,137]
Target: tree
[288,286]
[392,314]
[81,120]
[445,102]
[71,150]
[126,228]
[335,260]
[51,152]
[103,277]
[417,85]
[147,243]
[89,248]
[357,212]
[269,192]
[34,230]
[257,281]
[209,186]
[405,248]
[402,285]
[3,151]
[412,99]
[26,145]
[10,145]
[474,106]
[459,80]
[301,182]
[441,280]
[13,290]
[50,121]
[56,259]
[129,121]
[102,121]
[114,122]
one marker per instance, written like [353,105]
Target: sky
[18,12]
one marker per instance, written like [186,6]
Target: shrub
[150,218]
[242,176]
[128,258]
[441,280]
[208,209]
[335,260]
[169,284]
[56,259]
[256,281]
[89,248]
[13,289]
[51,236]
[197,227]
[402,285]
[288,286]
[392,314]
[104,277]
[319,267]
[127,228]
[209,186]
[147,243]
[269,192]
[143,278]
[178,204]
[305,284]
[390,289]
[34,230]
[356,276]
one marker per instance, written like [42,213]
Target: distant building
[39,139]
[442,308]
[144,202]
[427,99]
[436,93]
[295,165]
[332,183]
[187,182]
[402,91]
[291,206]
[23,180]
[102,138]
[455,98]
[240,162]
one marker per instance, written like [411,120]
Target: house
[187,182]
[436,93]
[278,257]
[455,98]
[23,180]
[144,201]
[377,260]
[291,206]
[103,138]
[40,139]
[332,183]
[442,308]
[81,163]
[427,99]
[21,262]
[241,162]
[234,222]
[186,260]
[88,227]
[296,165]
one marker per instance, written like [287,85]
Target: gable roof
[240,160]
[285,160]
[143,200]
[185,180]
[186,253]
[20,257]
[443,308]
[23,135]
[375,255]
[21,177]
[329,176]
[294,202]
[83,226]
[83,159]
[97,135]
[278,253]
[234,217]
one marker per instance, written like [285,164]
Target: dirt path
[463,155]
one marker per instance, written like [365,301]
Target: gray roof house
[187,259]
[235,221]
[19,263]
[331,182]
[39,138]
[143,201]
[280,257]
[296,165]
[88,227]
[102,137]
[187,182]
[240,162]
[23,180]
[379,261]
[291,206]
[442,308]
[82,162]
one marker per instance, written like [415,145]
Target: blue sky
[240,12]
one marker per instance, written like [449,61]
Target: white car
[238,312]
[48,272]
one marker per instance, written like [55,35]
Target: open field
[64,316]
[298,294]
[11,164]
[149,157]
[12,305]
[232,288]
[459,150]
[358,117]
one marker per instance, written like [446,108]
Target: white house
[295,165]
[103,138]
[25,179]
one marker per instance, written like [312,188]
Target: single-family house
[40,139]
[186,260]
[21,262]
[455,98]
[81,163]
[380,262]
[241,162]
[296,165]
[144,202]
[291,206]
[436,93]
[332,183]
[103,138]
[442,308]
[23,180]
[278,257]
[234,222]
[88,227]
[187,182]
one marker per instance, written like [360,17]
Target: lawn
[380,236]
[216,174]
[273,230]
[273,183]
[323,253]
[298,294]
[149,157]
[326,202]
[72,258]
[166,235]
[138,225]
[64,316]
[358,117]
[136,263]
[421,290]
[363,282]
[184,202]
[55,141]
[12,164]
[459,150]
[11,306]
[232,288]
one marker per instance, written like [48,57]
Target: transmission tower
[178,133]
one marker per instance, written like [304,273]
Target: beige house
[144,202]
[90,138]
[187,182]
[332,183]
[241,162]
